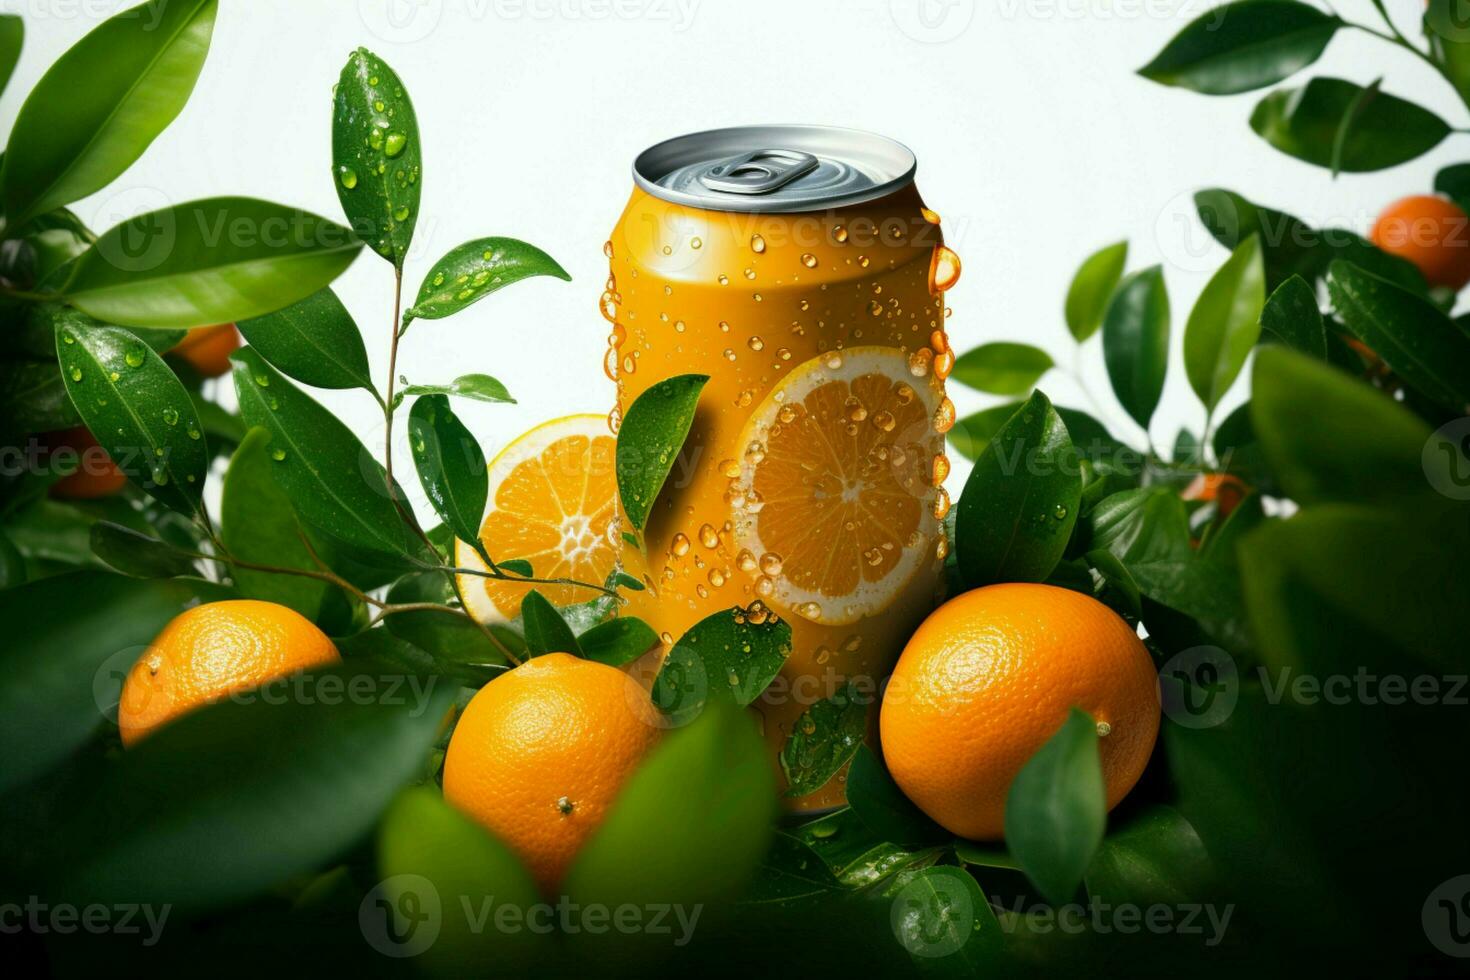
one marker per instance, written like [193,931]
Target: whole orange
[990,676]
[1430,232]
[214,650]
[540,753]
[207,349]
[96,475]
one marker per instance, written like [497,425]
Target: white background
[1036,141]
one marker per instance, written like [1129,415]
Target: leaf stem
[387,401]
[488,633]
[532,580]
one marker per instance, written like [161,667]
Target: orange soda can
[798,268]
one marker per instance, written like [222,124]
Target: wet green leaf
[377,156]
[334,483]
[732,655]
[1020,501]
[314,340]
[137,410]
[652,433]
[824,739]
[477,387]
[12,36]
[451,467]
[1292,316]
[1155,858]
[474,270]
[102,103]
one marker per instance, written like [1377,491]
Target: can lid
[774,168]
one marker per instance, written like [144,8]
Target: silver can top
[774,168]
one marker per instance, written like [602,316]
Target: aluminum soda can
[799,269]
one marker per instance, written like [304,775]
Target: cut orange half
[552,502]
[835,498]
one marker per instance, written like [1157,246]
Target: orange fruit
[540,753]
[1225,490]
[207,349]
[1430,232]
[553,493]
[96,475]
[214,650]
[990,676]
[840,459]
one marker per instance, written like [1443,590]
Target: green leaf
[792,876]
[137,554]
[12,36]
[652,433]
[618,641]
[1225,322]
[1383,131]
[1002,368]
[1243,46]
[333,481]
[258,525]
[83,631]
[973,433]
[1057,808]
[732,655]
[546,630]
[232,799]
[452,640]
[1329,437]
[376,154]
[218,260]
[1349,120]
[827,735]
[12,563]
[1156,858]
[1092,287]
[1136,342]
[102,103]
[709,789]
[315,341]
[1020,501]
[516,566]
[1421,344]
[474,270]
[451,467]
[33,398]
[478,387]
[882,806]
[944,921]
[1289,246]
[433,860]
[1454,183]
[137,410]
[1291,315]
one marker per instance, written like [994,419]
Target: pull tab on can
[757,172]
